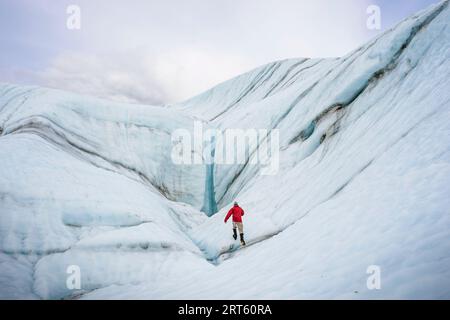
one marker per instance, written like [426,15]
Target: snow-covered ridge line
[344,96]
[261,78]
[107,135]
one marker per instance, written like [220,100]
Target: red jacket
[237,213]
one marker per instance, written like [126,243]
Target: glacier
[363,180]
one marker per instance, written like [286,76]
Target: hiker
[237,213]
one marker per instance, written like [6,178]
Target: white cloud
[142,77]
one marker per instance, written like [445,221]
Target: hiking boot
[234,234]
[242,239]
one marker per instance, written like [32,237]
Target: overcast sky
[164,51]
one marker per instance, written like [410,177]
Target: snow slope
[363,180]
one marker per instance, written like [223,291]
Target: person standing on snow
[237,214]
